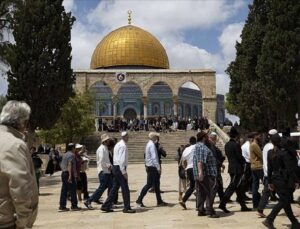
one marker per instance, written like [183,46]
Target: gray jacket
[18,188]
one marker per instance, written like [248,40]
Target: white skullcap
[272,132]
[153,134]
[123,134]
[78,146]
[213,134]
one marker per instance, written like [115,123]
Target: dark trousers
[191,188]
[153,180]
[284,202]
[206,192]
[38,176]
[118,181]
[234,186]
[67,188]
[257,175]
[220,188]
[266,193]
[84,181]
[105,181]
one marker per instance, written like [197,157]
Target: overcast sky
[195,34]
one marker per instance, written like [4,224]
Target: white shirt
[188,155]
[246,151]
[151,157]
[266,149]
[103,162]
[121,156]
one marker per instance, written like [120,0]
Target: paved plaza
[151,217]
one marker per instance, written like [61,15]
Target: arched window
[168,109]
[155,109]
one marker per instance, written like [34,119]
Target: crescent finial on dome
[129,16]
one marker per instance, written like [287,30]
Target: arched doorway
[190,100]
[160,99]
[102,95]
[130,114]
[130,96]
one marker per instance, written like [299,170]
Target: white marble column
[114,102]
[175,105]
[145,103]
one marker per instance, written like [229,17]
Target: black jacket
[235,158]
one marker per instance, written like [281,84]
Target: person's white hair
[15,113]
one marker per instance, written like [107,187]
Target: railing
[222,135]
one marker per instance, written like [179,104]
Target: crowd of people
[276,164]
[201,163]
[159,124]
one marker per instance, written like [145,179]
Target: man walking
[120,176]
[187,162]
[104,168]
[266,193]
[212,145]
[153,171]
[205,174]
[256,159]
[235,169]
[68,177]
[18,187]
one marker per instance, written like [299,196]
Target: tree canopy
[40,59]
[265,74]
[75,122]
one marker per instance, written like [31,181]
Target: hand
[70,180]
[110,168]
[271,187]
[17,227]
[296,185]
[201,176]
[125,176]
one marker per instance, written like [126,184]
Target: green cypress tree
[279,62]
[246,95]
[40,60]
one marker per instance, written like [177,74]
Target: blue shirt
[203,154]
[151,157]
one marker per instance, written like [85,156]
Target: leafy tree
[246,97]
[40,60]
[7,8]
[75,122]
[278,65]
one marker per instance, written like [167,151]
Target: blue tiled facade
[160,101]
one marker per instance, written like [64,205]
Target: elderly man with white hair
[18,188]
[153,171]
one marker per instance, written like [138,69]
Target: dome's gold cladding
[129,46]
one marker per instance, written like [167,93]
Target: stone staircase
[138,140]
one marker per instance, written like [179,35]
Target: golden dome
[129,46]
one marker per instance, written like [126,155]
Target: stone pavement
[152,217]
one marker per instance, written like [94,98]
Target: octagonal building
[130,77]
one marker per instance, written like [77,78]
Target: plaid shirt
[203,154]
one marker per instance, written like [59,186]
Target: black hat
[233,133]
[276,139]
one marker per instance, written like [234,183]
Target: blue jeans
[67,188]
[118,181]
[257,175]
[153,180]
[105,181]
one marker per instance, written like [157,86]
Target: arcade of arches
[150,93]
